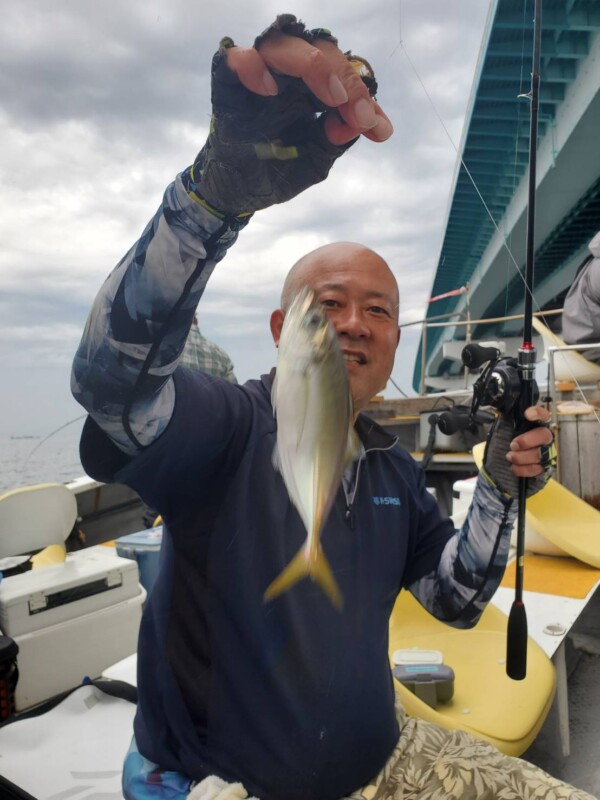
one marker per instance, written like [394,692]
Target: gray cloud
[102,103]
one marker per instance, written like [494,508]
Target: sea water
[26,460]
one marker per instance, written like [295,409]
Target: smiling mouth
[354,358]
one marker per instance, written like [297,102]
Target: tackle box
[70,620]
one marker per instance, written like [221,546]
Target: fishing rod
[516,646]
[509,384]
[489,213]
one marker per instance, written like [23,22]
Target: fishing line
[455,148]
[393,382]
[402,46]
[49,436]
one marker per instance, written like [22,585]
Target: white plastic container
[70,621]
[144,548]
[57,658]
[87,581]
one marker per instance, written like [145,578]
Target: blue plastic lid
[149,539]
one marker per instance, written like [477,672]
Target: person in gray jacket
[581,309]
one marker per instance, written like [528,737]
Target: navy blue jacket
[291,697]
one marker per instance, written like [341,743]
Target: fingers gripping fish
[315,434]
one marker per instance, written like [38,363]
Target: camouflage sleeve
[473,561]
[136,330]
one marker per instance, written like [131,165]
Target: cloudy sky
[103,102]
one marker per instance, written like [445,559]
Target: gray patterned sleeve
[136,330]
[473,561]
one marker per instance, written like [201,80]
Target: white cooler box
[71,620]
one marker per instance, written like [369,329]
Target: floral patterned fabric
[428,763]
[432,763]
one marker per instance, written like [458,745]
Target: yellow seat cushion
[53,554]
[486,702]
[567,521]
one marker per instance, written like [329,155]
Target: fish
[315,434]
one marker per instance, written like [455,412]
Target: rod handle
[516,642]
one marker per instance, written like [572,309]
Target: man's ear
[276,325]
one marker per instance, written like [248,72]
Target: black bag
[9,675]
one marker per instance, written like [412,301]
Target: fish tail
[302,567]
[321,573]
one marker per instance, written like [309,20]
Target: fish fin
[301,567]
[297,569]
[321,573]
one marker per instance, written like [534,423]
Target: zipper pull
[349,518]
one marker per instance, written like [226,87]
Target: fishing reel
[500,385]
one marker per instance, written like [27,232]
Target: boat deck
[582,766]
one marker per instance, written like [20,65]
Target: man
[200,353]
[290,699]
[581,309]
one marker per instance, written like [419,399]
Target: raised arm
[283,112]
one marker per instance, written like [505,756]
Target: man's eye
[379,310]
[329,303]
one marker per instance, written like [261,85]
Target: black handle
[474,355]
[516,642]
[456,419]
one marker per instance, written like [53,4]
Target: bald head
[336,259]
[359,294]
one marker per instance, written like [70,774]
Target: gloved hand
[530,455]
[283,112]
[214,788]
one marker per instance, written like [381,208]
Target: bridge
[485,231]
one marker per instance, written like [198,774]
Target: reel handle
[474,355]
[454,420]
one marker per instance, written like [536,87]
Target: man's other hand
[528,452]
[529,455]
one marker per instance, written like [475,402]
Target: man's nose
[351,323]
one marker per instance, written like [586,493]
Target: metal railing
[432,322]
[552,351]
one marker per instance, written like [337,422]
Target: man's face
[360,296]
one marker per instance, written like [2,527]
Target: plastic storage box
[70,621]
[144,548]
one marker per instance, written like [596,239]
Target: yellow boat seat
[49,556]
[34,517]
[486,702]
[558,515]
